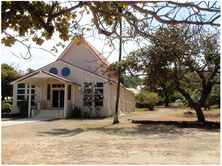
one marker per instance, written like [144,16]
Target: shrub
[6,107]
[76,113]
[23,107]
[147,98]
[8,101]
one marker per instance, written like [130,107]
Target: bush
[8,101]
[147,98]
[76,113]
[23,107]
[6,107]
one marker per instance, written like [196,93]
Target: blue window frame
[65,72]
[53,70]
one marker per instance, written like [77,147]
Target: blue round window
[65,71]
[53,70]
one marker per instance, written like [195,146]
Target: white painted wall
[77,55]
[82,57]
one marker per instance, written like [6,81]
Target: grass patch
[212,110]
[141,109]
[177,105]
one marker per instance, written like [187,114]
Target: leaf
[39,41]
[86,46]
[110,45]
[155,5]
[73,39]
[181,28]
[78,43]
[167,15]
[88,29]
[125,6]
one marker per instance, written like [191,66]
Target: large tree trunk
[196,106]
[115,119]
[199,112]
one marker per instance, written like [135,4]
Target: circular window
[65,71]
[53,70]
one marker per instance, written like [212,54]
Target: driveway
[22,121]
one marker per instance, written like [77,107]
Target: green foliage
[8,74]
[131,82]
[191,63]
[6,107]
[211,100]
[38,21]
[147,98]
[29,70]
[23,107]
[8,101]
[191,82]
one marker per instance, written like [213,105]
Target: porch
[55,95]
[48,113]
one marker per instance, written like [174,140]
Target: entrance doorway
[58,98]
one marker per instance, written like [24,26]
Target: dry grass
[74,142]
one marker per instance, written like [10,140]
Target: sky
[42,58]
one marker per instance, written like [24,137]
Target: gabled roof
[41,69]
[95,52]
[37,78]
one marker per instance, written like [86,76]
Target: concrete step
[50,114]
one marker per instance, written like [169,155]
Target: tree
[29,70]
[193,55]
[131,82]
[150,99]
[8,74]
[167,88]
[28,18]
[136,64]
[157,78]
[37,21]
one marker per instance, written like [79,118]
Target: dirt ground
[84,142]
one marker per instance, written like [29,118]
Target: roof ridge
[99,55]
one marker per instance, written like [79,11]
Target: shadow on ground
[183,124]
[161,128]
